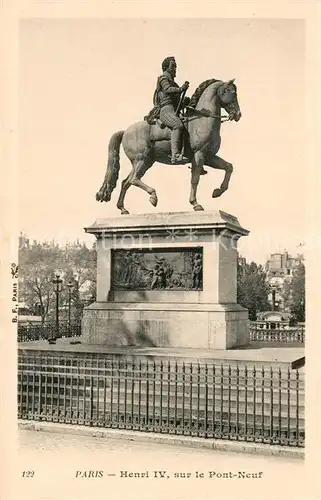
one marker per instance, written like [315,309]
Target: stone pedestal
[167,280]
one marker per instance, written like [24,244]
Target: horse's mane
[199,91]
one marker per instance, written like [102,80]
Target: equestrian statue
[177,131]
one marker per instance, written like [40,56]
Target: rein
[208,114]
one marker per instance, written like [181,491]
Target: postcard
[160,250]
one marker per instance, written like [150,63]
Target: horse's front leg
[217,162]
[197,166]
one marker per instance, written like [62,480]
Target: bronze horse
[146,143]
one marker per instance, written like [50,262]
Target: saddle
[153,117]
[157,121]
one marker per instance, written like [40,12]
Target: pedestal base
[167,280]
[201,326]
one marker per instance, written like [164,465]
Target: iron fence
[28,333]
[289,336]
[226,401]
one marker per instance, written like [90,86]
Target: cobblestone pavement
[56,458]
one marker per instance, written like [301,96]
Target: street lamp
[273,298]
[70,286]
[57,281]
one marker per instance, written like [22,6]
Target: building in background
[23,240]
[279,270]
[241,262]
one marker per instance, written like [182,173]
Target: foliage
[38,264]
[294,294]
[252,288]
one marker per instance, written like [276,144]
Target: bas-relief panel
[157,269]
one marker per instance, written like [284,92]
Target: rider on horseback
[167,98]
[145,143]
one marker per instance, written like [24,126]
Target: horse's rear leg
[140,168]
[120,203]
[133,179]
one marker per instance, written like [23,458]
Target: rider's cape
[154,113]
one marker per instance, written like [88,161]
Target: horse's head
[227,93]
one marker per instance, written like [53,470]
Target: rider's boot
[177,155]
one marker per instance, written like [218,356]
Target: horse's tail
[113,165]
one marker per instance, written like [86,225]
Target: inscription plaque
[157,269]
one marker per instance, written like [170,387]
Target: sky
[82,80]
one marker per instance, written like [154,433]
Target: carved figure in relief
[197,271]
[159,277]
[177,270]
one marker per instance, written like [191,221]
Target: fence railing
[28,333]
[296,335]
[233,402]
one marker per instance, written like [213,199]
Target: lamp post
[70,286]
[57,281]
[76,295]
[273,298]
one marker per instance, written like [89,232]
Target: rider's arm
[167,86]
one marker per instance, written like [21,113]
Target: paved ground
[254,352]
[56,458]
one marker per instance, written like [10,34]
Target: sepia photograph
[158,294]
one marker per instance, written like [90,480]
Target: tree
[252,288]
[38,264]
[81,271]
[294,294]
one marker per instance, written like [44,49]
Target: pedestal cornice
[157,224]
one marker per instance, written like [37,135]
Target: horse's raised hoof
[154,200]
[124,211]
[198,208]
[217,192]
